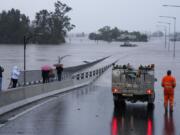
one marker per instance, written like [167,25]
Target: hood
[15,68]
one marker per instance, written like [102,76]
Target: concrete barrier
[20,96]
[35,76]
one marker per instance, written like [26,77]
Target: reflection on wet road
[169,128]
[133,120]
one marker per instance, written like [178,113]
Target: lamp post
[165,31]
[24,60]
[169,32]
[174,18]
[25,43]
[26,39]
[62,57]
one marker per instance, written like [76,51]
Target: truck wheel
[150,106]
[115,103]
[151,99]
[120,103]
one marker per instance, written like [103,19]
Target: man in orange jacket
[169,83]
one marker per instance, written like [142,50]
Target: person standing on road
[15,76]
[45,76]
[169,84]
[1,72]
[45,73]
[59,69]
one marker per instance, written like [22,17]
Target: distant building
[157,34]
[80,34]
[177,37]
[126,36]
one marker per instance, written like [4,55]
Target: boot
[171,109]
[166,110]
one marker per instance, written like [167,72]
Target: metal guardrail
[35,76]
[90,74]
[20,96]
[65,75]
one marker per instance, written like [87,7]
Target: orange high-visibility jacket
[169,83]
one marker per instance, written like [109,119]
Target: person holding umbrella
[59,69]
[45,73]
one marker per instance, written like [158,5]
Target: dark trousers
[45,79]
[45,76]
[0,83]
[59,77]
[14,81]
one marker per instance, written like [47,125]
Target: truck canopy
[131,80]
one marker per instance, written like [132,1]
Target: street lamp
[165,30]
[62,57]
[174,18]
[26,39]
[169,31]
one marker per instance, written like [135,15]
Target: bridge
[34,89]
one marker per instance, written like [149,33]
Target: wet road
[87,110]
[90,111]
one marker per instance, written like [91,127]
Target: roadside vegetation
[114,34]
[47,28]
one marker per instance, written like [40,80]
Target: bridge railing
[21,96]
[89,74]
[35,76]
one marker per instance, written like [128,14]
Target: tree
[115,33]
[108,34]
[41,25]
[158,34]
[13,26]
[53,26]
[93,36]
[105,33]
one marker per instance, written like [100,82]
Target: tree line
[114,34]
[47,28]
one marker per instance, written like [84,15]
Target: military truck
[130,84]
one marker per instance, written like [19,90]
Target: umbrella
[46,68]
[58,65]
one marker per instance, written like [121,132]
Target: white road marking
[32,108]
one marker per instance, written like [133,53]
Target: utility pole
[174,18]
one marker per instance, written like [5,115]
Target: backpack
[1,69]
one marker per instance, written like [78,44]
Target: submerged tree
[114,34]
[47,28]
[53,26]
[13,26]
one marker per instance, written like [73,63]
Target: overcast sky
[90,15]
